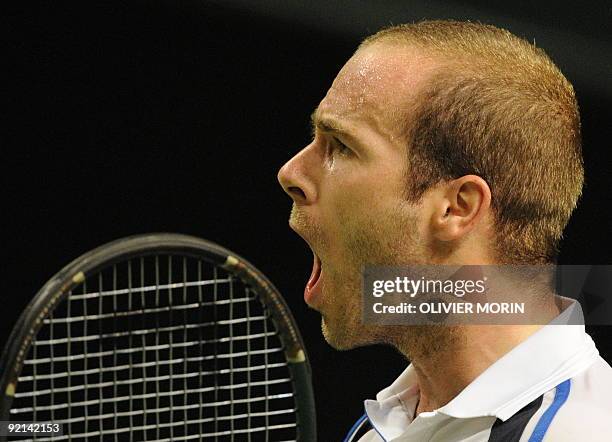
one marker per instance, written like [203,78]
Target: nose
[298,177]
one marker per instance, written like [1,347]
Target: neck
[456,356]
[447,358]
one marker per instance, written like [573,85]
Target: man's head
[438,142]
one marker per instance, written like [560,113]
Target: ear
[460,205]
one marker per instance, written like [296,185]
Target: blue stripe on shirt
[354,428]
[561,394]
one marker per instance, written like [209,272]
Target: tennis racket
[161,337]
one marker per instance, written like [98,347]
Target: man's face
[348,187]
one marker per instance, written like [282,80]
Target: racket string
[175,350]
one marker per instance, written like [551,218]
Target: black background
[134,117]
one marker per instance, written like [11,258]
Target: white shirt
[555,380]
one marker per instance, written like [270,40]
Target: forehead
[376,85]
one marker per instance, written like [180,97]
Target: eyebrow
[325,125]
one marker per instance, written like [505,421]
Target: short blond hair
[499,108]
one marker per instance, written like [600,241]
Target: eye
[339,147]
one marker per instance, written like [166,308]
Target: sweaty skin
[349,205]
[352,210]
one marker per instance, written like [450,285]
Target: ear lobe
[463,204]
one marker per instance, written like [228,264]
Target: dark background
[141,116]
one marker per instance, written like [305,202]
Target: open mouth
[312,291]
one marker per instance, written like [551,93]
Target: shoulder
[586,413]
[593,387]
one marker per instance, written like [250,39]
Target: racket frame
[89,264]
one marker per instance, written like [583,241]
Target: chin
[332,336]
[342,337]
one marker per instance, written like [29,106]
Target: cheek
[355,208]
[342,289]
[349,196]
[373,183]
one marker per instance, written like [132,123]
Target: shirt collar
[394,407]
[550,356]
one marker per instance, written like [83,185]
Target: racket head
[58,288]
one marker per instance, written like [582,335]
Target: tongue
[312,287]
